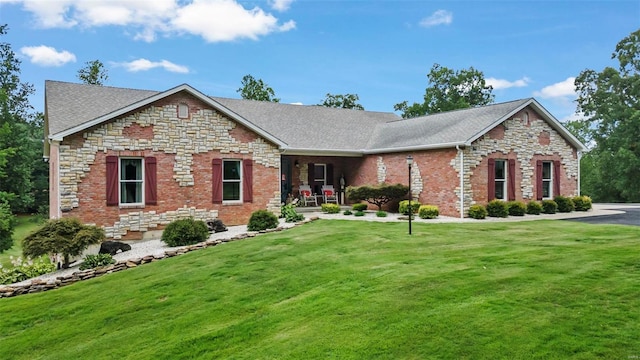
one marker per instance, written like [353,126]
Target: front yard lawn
[355,290]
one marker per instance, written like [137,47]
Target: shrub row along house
[133,160]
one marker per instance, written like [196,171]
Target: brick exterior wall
[184,149]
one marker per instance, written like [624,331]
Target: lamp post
[410,162]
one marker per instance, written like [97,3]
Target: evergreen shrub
[516,208]
[428,212]
[185,232]
[534,208]
[549,207]
[565,204]
[477,211]
[262,220]
[497,208]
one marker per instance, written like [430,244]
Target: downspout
[462,181]
[579,157]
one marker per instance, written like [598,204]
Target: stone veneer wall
[523,140]
[205,130]
[417,183]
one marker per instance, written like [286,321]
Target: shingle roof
[303,128]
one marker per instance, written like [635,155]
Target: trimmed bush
[94,261]
[185,232]
[516,208]
[289,213]
[582,203]
[534,208]
[360,207]
[565,204]
[428,212]
[347,212]
[330,208]
[67,236]
[497,208]
[403,207]
[7,224]
[549,207]
[378,194]
[381,213]
[477,211]
[358,213]
[262,220]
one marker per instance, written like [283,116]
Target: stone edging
[36,286]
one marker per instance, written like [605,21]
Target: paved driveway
[627,216]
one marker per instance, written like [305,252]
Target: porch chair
[329,194]
[307,196]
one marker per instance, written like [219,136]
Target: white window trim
[550,180]
[124,205]
[240,199]
[505,180]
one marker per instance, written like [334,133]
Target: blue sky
[304,49]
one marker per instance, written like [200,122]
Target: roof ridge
[102,86]
[469,108]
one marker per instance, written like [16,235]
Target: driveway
[623,214]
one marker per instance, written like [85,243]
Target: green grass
[25,225]
[355,290]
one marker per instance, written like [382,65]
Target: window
[183,110]
[500,176]
[547,180]
[525,118]
[231,184]
[131,183]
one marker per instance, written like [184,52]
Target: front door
[285,179]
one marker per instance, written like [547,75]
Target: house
[133,160]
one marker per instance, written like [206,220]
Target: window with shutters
[131,181]
[500,176]
[231,180]
[547,180]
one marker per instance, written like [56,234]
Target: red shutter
[329,174]
[150,181]
[311,175]
[112,181]
[247,180]
[539,191]
[491,182]
[556,178]
[511,181]
[216,181]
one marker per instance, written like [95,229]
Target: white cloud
[505,84]
[214,20]
[440,17]
[280,5]
[144,65]
[558,90]
[47,56]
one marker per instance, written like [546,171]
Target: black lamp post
[410,162]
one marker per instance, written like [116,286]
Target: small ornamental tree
[377,195]
[67,236]
[7,224]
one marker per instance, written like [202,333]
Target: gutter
[461,151]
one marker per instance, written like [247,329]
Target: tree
[21,133]
[377,195]
[93,73]
[610,100]
[7,225]
[67,236]
[253,89]
[450,90]
[346,101]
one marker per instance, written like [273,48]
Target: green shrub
[381,213]
[262,220]
[289,213]
[378,194]
[403,207]
[330,208]
[360,207]
[185,232]
[582,203]
[497,208]
[565,204]
[516,208]
[549,206]
[7,224]
[67,236]
[477,211]
[98,260]
[534,208]
[428,211]
[358,213]
[347,212]
[23,270]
